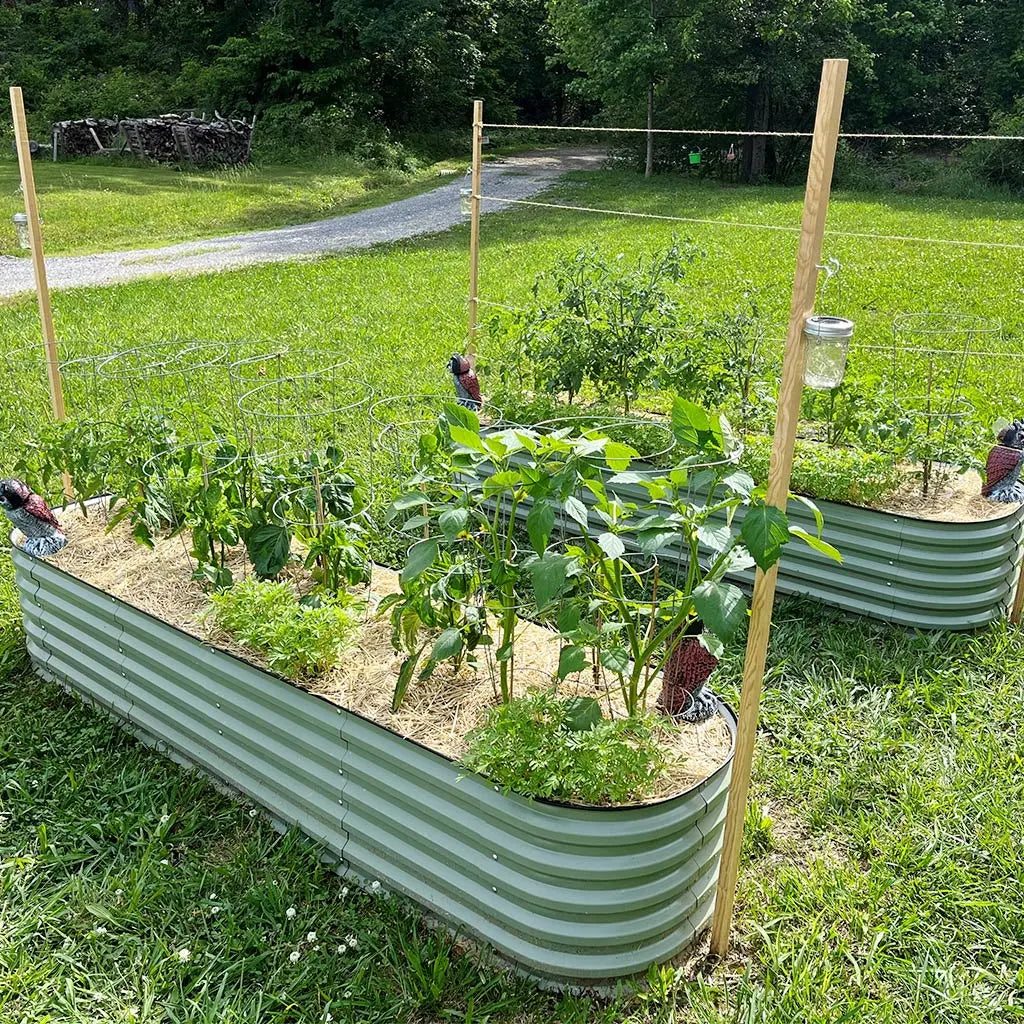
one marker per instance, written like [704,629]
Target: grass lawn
[93,206]
[883,868]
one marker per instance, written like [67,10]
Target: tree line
[333,75]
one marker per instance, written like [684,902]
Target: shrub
[831,474]
[530,746]
[297,639]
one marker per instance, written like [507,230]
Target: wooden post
[474,230]
[35,235]
[816,198]
[1018,598]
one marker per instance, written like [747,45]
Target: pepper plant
[467,494]
[696,502]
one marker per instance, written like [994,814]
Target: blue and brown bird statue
[467,387]
[1003,466]
[32,516]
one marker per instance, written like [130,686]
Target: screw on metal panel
[494,855]
[218,705]
[340,772]
[493,889]
[342,802]
[496,790]
[220,732]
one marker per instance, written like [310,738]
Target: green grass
[882,876]
[89,206]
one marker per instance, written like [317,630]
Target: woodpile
[87,136]
[168,139]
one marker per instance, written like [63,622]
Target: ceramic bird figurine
[32,516]
[685,695]
[1003,466]
[467,387]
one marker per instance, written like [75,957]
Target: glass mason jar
[828,341]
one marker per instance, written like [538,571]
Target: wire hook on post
[831,268]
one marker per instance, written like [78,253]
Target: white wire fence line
[749,225]
[744,133]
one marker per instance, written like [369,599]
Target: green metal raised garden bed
[575,895]
[913,572]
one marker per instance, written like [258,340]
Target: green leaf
[765,529]
[582,713]
[504,653]
[467,438]
[694,428]
[269,547]
[616,659]
[569,618]
[718,538]
[722,606]
[739,482]
[549,576]
[619,456]
[652,541]
[571,659]
[611,545]
[577,510]
[508,480]
[819,519]
[539,523]
[101,912]
[422,556]
[453,522]
[459,415]
[823,547]
[448,645]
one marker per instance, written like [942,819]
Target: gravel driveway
[516,177]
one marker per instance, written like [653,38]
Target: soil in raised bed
[437,713]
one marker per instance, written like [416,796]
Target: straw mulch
[437,713]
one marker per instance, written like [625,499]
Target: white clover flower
[164,862]
[253,812]
[342,948]
[212,896]
[98,996]
[352,941]
[375,886]
[164,818]
[184,955]
[344,891]
[316,948]
[294,956]
[100,930]
[290,913]
[214,910]
[119,892]
[328,1016]
[311,936]
[348,995]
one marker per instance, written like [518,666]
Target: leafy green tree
[624,50]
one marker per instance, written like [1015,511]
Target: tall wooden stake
[474,229]
[28,188]
[816,197]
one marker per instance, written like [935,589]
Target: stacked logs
[169,139]
[87,136]
[176,138]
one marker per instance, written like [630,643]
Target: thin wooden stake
[474,230]
[28,187]
[35,236]
[1018,599]
[816,198]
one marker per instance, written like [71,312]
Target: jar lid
[20,218]
[828,327]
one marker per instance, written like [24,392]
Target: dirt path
[517,177]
